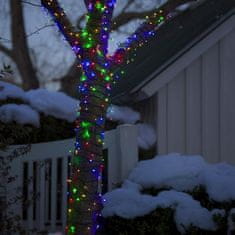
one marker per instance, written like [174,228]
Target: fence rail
[43,172]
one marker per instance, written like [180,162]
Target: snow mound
[130,203]
[173,170]
[146,136]
[8,90]
[122,114]
[22,114]
[54,103]
[183,173]
[176,173]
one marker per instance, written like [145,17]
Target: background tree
[20,50]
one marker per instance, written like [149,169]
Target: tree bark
[70,81]
[20,49]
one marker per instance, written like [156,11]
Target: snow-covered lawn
[176,174]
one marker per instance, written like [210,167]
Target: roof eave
[181,60]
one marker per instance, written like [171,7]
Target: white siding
[227,56]
[176,131]
[196,109]
[193,108]
[162,120]
[210,104]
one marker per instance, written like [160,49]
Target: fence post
[128,149]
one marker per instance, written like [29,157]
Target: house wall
[196,109]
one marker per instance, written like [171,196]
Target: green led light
[76,160]
[78,199]
[122,72]
[103,71]
[107,78]
[86,134]
[83,78]
[72,229]
[74,190]
[99,6]
[99,52]
[85,124]
[84,33]
[87,45]
[93,89]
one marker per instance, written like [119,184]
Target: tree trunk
[70,81]
[86,168]
[20,47]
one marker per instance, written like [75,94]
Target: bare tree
[21,54]
[20,50]
[90,46]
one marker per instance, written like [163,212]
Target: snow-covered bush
[40,116]
[173,194]
[34,116]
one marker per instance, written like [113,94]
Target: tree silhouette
[90,46]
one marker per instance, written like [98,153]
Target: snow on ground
[22,114]
[178,173]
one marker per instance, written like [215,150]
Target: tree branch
[155,18]
[30,3]
[62,21]
[6,51]
[39,29]
[80,19]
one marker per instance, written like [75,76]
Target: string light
[90,46]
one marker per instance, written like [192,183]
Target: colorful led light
[90,46]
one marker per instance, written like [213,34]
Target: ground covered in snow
[173,177]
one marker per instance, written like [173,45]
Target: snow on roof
[54,103]
[22,114]
[179,173]
[8,90]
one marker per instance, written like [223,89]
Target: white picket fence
[43,172]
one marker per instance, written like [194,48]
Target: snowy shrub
[49,129]
[173,194]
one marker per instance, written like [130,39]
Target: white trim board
[187,58]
